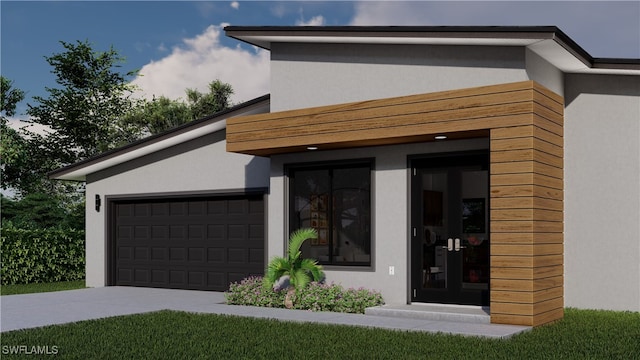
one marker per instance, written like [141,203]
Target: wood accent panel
[414,118]
[527,184]
[524,122]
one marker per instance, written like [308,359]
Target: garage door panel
[196,255]
[216,232]
[256,256]
[177,278]
[125,252]
[125,275]
[177,254]
[141,253]
[188,243]
[159,254]
[216,256]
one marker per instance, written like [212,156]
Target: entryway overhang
[524,122]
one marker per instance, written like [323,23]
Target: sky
[181,44]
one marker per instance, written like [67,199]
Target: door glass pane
[434,232]
[474,230]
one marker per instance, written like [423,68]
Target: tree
[86,112]
[161,114]
[9,98]
[13,147]
[300,270]
[158,115]
[217,99]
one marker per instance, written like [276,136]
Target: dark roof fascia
[549,32]
[616,63]
[157,137]
[398,31]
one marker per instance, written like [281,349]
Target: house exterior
[487,166]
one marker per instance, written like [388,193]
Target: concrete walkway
[42,309]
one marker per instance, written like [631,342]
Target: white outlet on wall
[392,270]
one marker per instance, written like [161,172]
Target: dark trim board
[219,259]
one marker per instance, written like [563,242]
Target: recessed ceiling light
[312,148]
[440,137]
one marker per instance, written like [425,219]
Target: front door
[450,229]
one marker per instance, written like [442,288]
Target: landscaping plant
[315,297]
[301,271]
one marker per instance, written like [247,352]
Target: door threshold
[453,307]
[436,312]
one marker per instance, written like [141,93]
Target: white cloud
[235,5]
[279,10]
[381,13]
[18,124]
[314,21]
[202,59]
[602,28]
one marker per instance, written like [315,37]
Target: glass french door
[450,229]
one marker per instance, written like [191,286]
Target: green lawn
[41,287]
[178,335]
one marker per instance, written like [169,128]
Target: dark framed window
[335,199]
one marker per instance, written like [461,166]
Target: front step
[436,312]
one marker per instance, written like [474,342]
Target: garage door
[194,243]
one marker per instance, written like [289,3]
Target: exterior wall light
[98,203]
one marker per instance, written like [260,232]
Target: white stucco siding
[306,75]
[544,73]
[602,192]
[390,212]
[201,165]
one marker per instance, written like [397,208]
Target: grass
[178,335]
[40,287]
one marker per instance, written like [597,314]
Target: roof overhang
[178,135]
[547,41]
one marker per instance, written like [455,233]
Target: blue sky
[179,44]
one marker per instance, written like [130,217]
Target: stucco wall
[390,212]
[602,192]
[541,71]
[200,165]
[305,75]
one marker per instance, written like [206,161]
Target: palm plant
[301,271]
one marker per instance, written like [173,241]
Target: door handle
[449,245]
[458,247]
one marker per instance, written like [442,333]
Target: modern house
[494,166]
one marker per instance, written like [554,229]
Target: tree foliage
[300,270]
[205,104]
[9,98]
[92,110]
[13,146]
[161,114]
[42,211]
[86,111]
[158,115]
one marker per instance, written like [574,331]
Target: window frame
[291,168]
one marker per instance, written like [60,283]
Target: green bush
[315,297]
[41,255]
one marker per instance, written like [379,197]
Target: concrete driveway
[41,309]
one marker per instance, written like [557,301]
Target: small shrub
[314,297]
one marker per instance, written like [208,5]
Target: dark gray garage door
[194,243]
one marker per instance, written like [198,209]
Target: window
[335,199]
